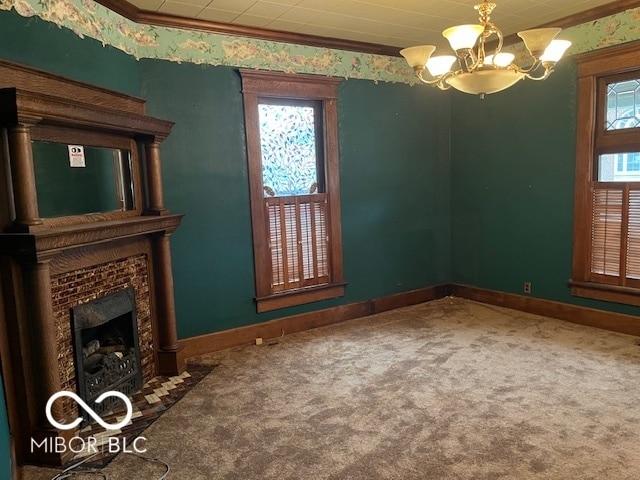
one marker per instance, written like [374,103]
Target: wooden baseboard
[615,322]
[213,342]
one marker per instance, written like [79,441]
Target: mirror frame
[46,133]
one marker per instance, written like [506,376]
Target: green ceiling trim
[87,18]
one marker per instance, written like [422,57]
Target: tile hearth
[152,400]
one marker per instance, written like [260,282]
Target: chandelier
[478,73]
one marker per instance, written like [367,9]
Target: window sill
[299,297]
[608,293]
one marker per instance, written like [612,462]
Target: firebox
[106,349]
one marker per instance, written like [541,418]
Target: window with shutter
[291,128]
[298,241]
[606,258]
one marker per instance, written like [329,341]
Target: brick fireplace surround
[86,284]
[48,266]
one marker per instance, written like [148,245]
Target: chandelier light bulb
[440,65]
[502,59]
[555,51]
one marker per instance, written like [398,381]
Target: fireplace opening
[106,349]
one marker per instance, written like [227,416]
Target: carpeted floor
[450,389]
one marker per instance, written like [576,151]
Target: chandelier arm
[420,70]
[500,36]
[547,71]
[464,64]
[476,59]
[467,66]
[527,70]
[438,81]
[443,84]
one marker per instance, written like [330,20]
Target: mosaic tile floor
[151,401]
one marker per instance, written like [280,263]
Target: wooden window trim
[260,84]
[593,140]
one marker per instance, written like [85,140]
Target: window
[294,190]
[606,258]
[291,127]
[619,167]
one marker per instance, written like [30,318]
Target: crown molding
[133,13]
[595,13]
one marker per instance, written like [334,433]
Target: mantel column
[43,364]
[170,354]
[42,331]
[154,179]
[23,178]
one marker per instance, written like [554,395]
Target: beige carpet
[450,389]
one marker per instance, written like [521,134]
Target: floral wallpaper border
[90,19]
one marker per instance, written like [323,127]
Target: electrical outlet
[527,287]
[259,341]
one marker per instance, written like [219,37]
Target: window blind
[633,235]
[298,241]
[615,233]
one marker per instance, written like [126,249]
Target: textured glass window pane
[288,146]
[623,105]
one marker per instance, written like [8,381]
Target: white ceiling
[397,23]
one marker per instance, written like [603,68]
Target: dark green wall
[40,44]
[394,152]
[513,159]
[205,177]
[394,186]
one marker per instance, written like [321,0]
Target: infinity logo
[89,410]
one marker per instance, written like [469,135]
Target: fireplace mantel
[65,243]
[42,245]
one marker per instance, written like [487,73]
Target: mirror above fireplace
[98,181]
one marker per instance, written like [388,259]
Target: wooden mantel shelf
[42,244]
[21,106]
